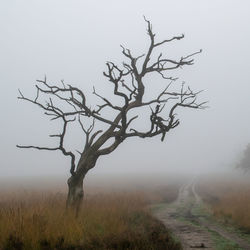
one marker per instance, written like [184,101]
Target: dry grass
[229,200]
[162,194]
[107,221]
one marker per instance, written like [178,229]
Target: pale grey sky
[72,40]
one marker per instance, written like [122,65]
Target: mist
[72,40]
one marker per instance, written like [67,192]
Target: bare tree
[128,85]
[245,160]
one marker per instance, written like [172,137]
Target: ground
[193,226]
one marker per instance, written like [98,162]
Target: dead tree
[244,163]
[128,85]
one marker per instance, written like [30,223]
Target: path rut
[193,230]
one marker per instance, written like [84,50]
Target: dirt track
[193,229]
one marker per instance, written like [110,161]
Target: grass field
[111,220]
[229,200]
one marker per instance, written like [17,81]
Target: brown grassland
[229,200]
[111,220]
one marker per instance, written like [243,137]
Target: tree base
[75,194]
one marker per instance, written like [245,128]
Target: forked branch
[68,103]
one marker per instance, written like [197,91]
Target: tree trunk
[75,193]
[75,182]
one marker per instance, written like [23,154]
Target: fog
[72,40]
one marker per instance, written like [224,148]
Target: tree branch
[69,103]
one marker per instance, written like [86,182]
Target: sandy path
[194,231]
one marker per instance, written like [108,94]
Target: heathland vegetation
[108,220]
[229,200]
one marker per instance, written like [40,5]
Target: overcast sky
[72,40]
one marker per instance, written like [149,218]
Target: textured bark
[75,182]
[75,193]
